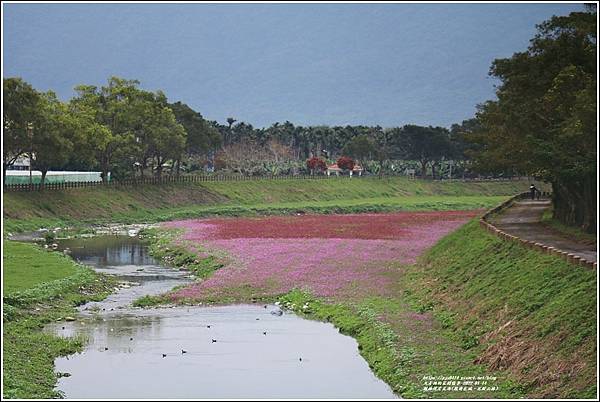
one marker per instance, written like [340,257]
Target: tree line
[426,145]
[117,128]
[130,132]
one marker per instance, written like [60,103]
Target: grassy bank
[31,210]
[404,347]
[521,312]
[40,287]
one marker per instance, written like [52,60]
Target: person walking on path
[532,191]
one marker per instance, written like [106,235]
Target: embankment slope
[531,314]
[27,210]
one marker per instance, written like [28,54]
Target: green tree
[384,146]
[427,145]
[131,127]
[201,136]
[459,136]
[158,137]
[544,120]
[90,137]
[166,138]
[360,147]
[54,135]
[113,111]
[21,116]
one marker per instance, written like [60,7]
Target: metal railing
[209,178]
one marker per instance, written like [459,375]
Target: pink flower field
[329,255]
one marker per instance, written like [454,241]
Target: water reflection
[128,259]
[103,251]
[170,353]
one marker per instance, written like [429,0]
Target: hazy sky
[336,64]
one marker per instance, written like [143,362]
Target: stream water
[237,351]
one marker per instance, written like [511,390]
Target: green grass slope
[40,287]
[26,266]
[25,210]
[523,312]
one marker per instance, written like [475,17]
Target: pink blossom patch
[328,255]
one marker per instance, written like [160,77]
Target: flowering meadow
[331,256]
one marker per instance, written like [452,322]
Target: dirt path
[523,220]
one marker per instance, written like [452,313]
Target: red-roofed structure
[334,168]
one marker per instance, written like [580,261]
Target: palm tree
[230,121]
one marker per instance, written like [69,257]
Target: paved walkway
[523,220]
